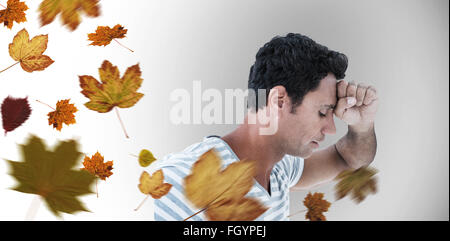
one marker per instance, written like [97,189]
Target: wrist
[361,128]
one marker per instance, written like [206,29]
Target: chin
[307,155]
[303,153]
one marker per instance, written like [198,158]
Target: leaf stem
[34,207]
[301,211]
[2,6]
[121,123]
[134,155]
[45,104]
[145,199]
[195,213]
[123,45]
[10,66]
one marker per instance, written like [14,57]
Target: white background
[400,47]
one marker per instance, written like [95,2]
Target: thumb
[343,104]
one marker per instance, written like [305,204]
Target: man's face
[303,130]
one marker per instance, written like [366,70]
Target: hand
[356,105]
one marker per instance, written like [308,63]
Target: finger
[351,89]
[343,104]
[360,94]
[371,95]
[342,89]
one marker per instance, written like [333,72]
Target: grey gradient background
[400,47]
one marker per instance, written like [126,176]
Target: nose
[329,127]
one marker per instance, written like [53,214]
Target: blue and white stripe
[175,206]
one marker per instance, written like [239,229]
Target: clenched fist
[356,104]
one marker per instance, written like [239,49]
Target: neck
[246,143]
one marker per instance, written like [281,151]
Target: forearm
[359,146]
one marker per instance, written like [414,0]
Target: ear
[278,98]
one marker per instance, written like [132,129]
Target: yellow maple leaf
[15,11]
[63,114]
[221,192]
[113,91]
[97,167]
[316,206]
[29,53]
[153,185]
[69,9]
[359,183]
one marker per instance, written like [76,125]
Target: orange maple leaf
[15,11]
[316,206]
[104,35]
[70,11]
[97,167]
[63,114]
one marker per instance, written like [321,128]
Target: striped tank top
[176,166]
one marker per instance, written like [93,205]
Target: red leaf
[15,111]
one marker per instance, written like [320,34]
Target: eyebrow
[329,106]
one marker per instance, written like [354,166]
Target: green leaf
[146,158]
[50,174]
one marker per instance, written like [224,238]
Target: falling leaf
[97,167]
[15,111]
[153,185]
[104,35]
[70,11]
[316,206]
[359,182]
[221,192]
[29,52]
[15,11]
[146,158]
[113,91]
[50,174]
[63,114]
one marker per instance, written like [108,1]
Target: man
[301,79]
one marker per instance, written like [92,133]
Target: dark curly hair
[295,62]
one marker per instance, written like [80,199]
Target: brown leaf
[15,11]
[359,183]
[63,114]
[104,35]
[97,167]
[15,111]
[316,206]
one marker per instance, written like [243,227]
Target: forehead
[325,95]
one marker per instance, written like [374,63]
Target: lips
[315,143]
[320,140]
